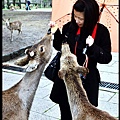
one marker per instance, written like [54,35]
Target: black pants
[59,96]
[65,111]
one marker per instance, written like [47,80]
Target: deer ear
[61,73]
[8,18]
[3,19]
[26,51]
[42,49]
[82,70]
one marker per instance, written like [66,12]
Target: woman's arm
[57,42]
[100,51]
[59,37]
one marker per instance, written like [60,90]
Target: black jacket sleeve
[100,51]
[60,37]
[57,42]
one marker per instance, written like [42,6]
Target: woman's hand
[53,26]
[89,40]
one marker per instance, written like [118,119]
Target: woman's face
[79,18]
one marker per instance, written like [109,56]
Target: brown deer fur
[80,106]
[18,99]
[16,25]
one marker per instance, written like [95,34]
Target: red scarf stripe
[78,32]
[94,32]
[93,36]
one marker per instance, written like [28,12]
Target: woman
[85,16]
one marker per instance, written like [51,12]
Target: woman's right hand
[51,24]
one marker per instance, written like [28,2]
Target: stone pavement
[44,109]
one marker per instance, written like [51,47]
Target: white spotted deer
[16,25]
[80,106]
[17,100]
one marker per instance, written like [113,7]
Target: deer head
[7,21]
[68,63]
[37,54]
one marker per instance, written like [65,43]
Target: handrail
[62,17]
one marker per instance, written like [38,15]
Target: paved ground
[44,109]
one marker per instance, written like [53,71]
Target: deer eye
[41,49]
[26,51]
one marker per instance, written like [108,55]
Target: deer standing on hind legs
[17,100]
[16,25]
[80,106]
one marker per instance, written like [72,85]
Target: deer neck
[29,84]
[76,94]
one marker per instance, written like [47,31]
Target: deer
[70,70]
[16,25]
[17,100]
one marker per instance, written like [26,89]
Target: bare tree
[14,2]
[20,4]
[3,4]
[8,4]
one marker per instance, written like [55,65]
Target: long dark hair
[91,12]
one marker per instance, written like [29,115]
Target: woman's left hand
[89,40]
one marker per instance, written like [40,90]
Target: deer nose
[49,31]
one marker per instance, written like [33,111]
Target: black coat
[99,52]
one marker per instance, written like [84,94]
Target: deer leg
[19,31]
[11,35]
